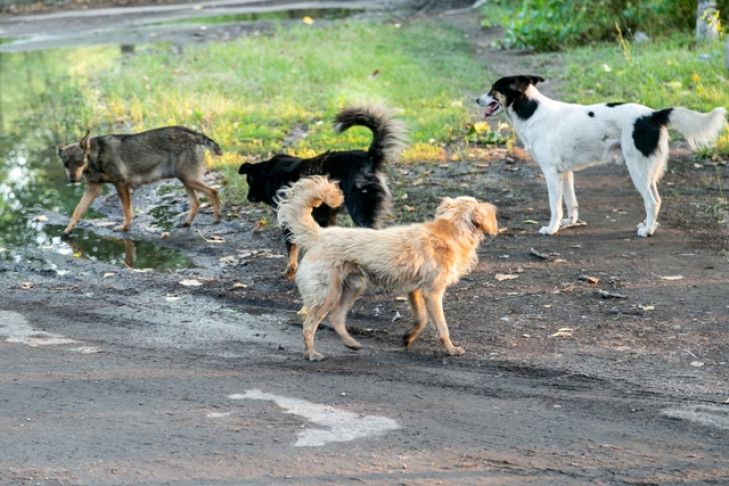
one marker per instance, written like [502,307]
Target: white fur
[562,138]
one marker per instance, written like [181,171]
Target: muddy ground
[604,359]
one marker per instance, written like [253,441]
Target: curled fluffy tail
[388,133]
[700,129]
[296,202]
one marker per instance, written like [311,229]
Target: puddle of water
[312,13]
[37,89]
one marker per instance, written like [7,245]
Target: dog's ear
[522,82]
[85,142]
[483,217]
[59,149]
[243,169]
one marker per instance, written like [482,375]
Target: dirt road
[607,362]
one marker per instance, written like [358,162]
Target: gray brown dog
[129,161]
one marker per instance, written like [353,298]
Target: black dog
[360,173]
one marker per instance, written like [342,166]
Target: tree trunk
[707,25]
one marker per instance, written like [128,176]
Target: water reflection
[37,103]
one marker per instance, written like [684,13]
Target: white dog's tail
[700,129]
[296,202]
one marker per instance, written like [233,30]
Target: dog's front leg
[554,187]
[125,195]
[92,191]
[434,306]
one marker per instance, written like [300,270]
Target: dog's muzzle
[492,106]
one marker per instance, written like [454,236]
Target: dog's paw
[455,351]
[290,273]
[121,228]
[66,236]
[351,343]
[314,356]
[547,230]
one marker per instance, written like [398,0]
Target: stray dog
[564,137]
[360,173]
[128,161]
[421,259]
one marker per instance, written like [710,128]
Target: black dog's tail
[388,133]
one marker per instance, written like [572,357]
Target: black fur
[647,130]
[359,173]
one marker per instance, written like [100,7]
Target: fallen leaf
[109,274]
[172,298]
[697,364]
[27,285]
[164,235]
[307,20]
[212,239]
[505,276]
[259,226]
[564,332]
[239,285]
[190,282]
[530,221]
[41,218]
[646,307]
[672,277]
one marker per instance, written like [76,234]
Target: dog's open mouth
[492,108]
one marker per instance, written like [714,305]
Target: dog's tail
[296,202]
[210,144]
[700,129]
[388,133]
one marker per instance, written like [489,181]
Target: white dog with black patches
[565,137]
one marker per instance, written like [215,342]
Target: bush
[548,25]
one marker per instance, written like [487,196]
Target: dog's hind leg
[92,191]
[318,310]
[354,285]
[194,205]
[417,307]
[646,182]
[292,253]
[190,187]
[434,306]
[125,195]
[570,199]
[555,185]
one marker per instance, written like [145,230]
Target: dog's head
[505,92]
[266,178]
[477,216]
[75,157]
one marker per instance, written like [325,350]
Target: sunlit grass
[675,72]
[251,93]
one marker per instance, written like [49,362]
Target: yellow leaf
[307,20]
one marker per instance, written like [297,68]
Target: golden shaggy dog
[421,259]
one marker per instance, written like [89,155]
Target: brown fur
[420,260]
[129,161]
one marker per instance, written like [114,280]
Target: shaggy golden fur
[421,260]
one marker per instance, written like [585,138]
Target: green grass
[250,93]
[674,72]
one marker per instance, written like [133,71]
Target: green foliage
[548,25]
[672,73]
